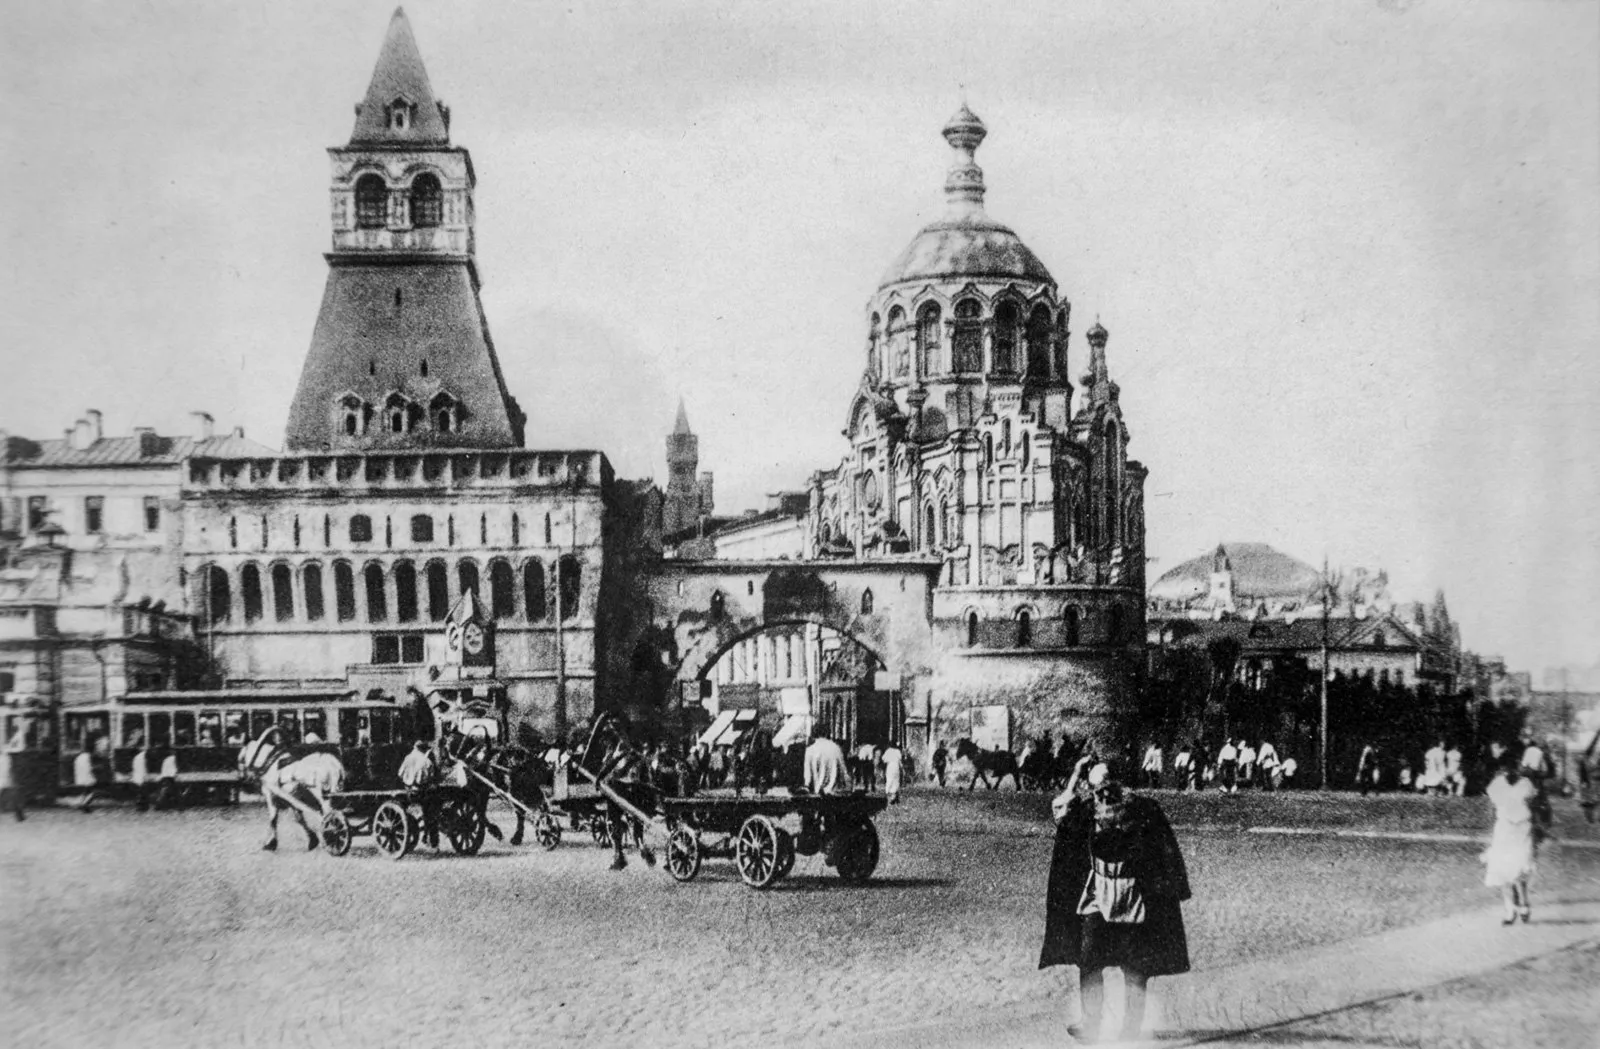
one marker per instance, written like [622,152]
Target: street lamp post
[1322,743]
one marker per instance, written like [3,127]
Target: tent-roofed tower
[401,354]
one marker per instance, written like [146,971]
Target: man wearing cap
[1117,880]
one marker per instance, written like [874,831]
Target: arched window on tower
[1062,316]
[1070,625]
[282,593]
[502,592]
[533,595]
[1039,338]
[966,347]
[250,589]
[1024,628]
[1026,451]
[899,352]
[467,576]
[377,596]
[1113,481]
[438,591]
[405,591]
[372,202]
[344,591]
[569,586]
[445,411]
[311,583]
[930,524]
[427,202]
[874,347]
[352,416]
[219,594]
[972,630]
[1006,321]
[931,360]
[866,602]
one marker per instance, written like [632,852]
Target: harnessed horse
[289,784]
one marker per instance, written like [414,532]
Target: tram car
[204,731]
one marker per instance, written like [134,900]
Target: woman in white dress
[1509,857]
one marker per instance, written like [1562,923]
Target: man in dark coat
[1116,881]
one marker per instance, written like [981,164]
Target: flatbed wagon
[763,833]
[394,819]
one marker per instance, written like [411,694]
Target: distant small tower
[1221,597]
[688,491]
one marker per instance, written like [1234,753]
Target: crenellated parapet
[351,474]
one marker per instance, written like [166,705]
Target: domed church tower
[401,355]
[968,445]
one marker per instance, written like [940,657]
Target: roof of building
[682,425]
[1259,573]
[137,450]
[400,76]
[965,243]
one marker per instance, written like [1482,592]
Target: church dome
[965,243]
[1260,573]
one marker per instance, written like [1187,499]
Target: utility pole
[1322,745]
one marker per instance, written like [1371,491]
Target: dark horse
[986,763]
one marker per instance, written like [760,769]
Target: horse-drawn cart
[395,819]
[751,831]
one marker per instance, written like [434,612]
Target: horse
[289,784]
[999,763]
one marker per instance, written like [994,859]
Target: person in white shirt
[1183,768]
[866,766]
[1286,772]
[141,775]
[1433,772]
[1154,761]
[1267,762]
[893,760]
[167,791]
[83,777]
[825,768]
[1454,781]
[1228,767]
[1247,764]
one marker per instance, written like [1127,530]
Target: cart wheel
[683,853]
[335,833]
[756,854]
[546,831]
[856,852]
[600,831]
[464,825]
[786,854]
[392,830]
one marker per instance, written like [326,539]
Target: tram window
[315,721]
[382,726]
[160,730]
[210,729]
[349,728]
[260,721]
[289,721]
[183,729]
[133,730]
[72,726]
[233,728]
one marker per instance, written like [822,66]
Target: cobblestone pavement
[173,929]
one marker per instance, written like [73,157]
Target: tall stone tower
[401,355]
[688,492]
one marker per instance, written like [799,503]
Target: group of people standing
[1237,763]
[154,774]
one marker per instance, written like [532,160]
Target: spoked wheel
[856,852]
[786,852]
[757,853]
[683,853]
[546,831]
[464,825]
[392,830]
[600,831]
[335,832]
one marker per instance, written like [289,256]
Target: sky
[1348,253]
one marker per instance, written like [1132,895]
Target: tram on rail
[204,731]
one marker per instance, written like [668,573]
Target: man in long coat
[1117,879]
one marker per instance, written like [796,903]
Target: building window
[930,521]
[38,512]
[152,513]
[1024,628]
[233,533]
[438,591]
[546,529]
[427,202]
[899,353]
[405,592]
[1039,343]
[446,412]
[372,202]
[397,648]
[972,630]
[1071,618]
[866,602]
[874,363]
[219,594]
[502,592]
[422,529]
[966,348]
[361,529]
[516,530]
[719,607]
[94,514]
[1378,640]
[353,415]
[533,599]
[467,577]
[282,593]
[327,530]
[1061,345]
[250,588]
[297,531]
[1006,318]
[344,591]
[569,584]
[311,581]
[483,529]
[1026,450]
[928,339]
[377,596]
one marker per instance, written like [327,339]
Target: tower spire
[963,184]
[399,107]
[682,425]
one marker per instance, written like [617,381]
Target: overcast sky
[1348,253]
